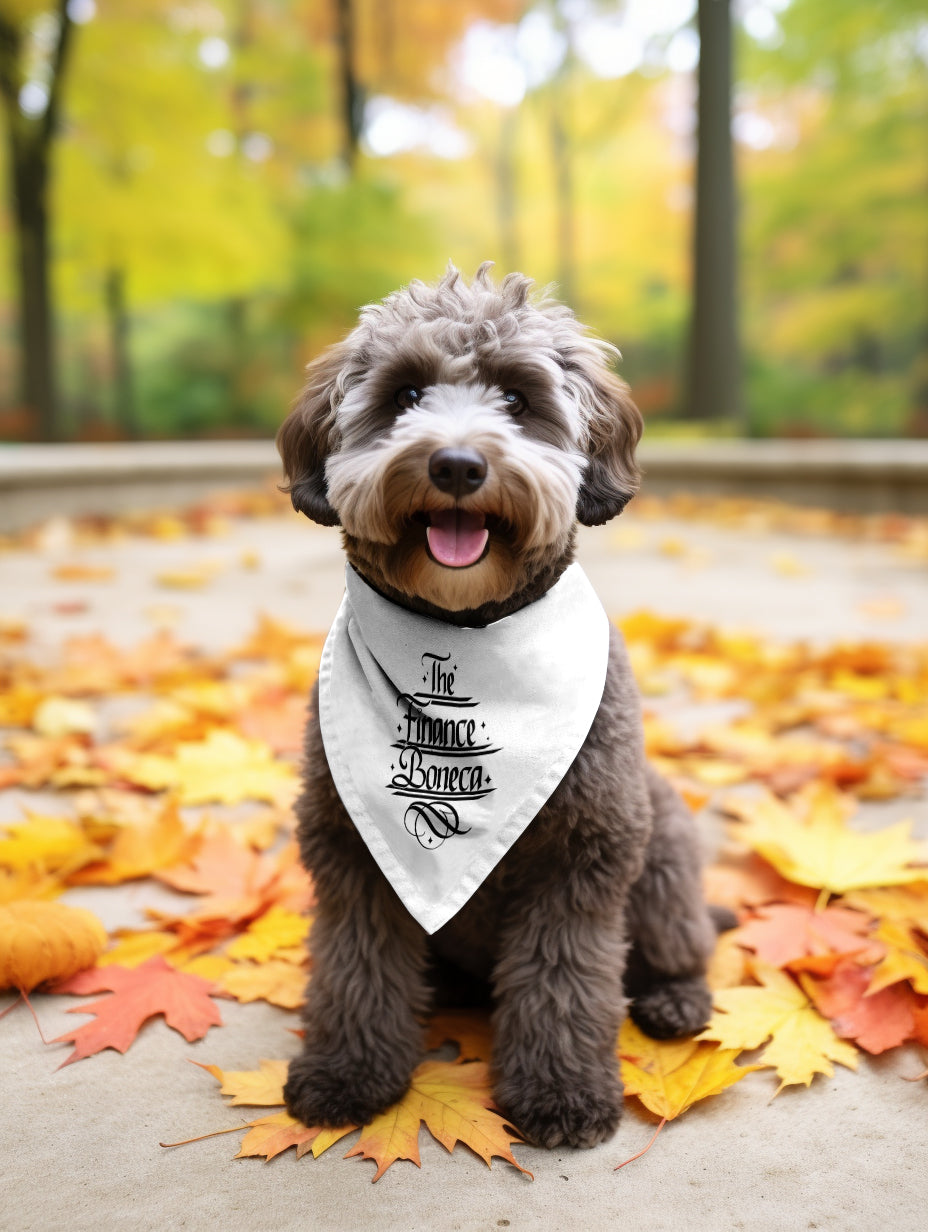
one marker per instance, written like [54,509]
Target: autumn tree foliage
[218,203]
[32,121]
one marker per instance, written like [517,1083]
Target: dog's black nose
[458,471]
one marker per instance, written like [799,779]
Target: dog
[458,436]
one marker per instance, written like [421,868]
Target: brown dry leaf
[42,941]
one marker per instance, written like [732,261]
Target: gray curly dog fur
[600,899]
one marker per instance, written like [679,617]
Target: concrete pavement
[80,1145]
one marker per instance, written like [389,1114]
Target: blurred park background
[199,194]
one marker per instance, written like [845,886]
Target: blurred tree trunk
[352,93]
[117,315]
[713,388]
[29,145]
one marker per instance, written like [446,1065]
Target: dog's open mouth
[456,537]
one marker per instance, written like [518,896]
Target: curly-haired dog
[457,436]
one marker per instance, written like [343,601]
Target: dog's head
[457,435]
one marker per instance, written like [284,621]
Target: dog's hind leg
[669,925]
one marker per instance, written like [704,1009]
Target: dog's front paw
[549,1115]
[338,1091]
[672,1008]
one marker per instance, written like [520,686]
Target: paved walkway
[80,1145]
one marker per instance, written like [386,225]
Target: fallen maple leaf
[278,933]
[150,989]
[281,983]
[802,1042]
[817,849]
[456,1104]
[42,941]
[271,1135]
[137,850]
[47,844]
[223,768]
[235,881]
[783,934]
[263,1087]
[909,902]
[670,1076]
[469,1029]
[875,1022]
[905,958]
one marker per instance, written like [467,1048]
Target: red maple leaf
[876,1022]
[150,989]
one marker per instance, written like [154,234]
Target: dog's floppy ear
[612,476]
[303,438]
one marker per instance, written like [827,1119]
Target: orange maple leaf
[456,1104]
[784,934]
[876,1022]
[139,994]
[236,882]
[469,1029]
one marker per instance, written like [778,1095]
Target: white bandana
[444,742]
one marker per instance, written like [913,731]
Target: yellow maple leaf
[60,716]
[46,844]
[42,941]
[905,958]
[132,948]
[908,902]
[670,1076]
[262,1087]
[280,983]
[279,933]
[456,1104]
[137,850]
[223,768]
[809,842]
[269,1136]
[802,1042]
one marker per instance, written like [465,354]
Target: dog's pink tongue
[457,538]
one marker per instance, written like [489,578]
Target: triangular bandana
[444,742]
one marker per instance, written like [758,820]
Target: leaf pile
[188,788]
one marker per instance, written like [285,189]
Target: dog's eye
[407,397]
[515,402]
